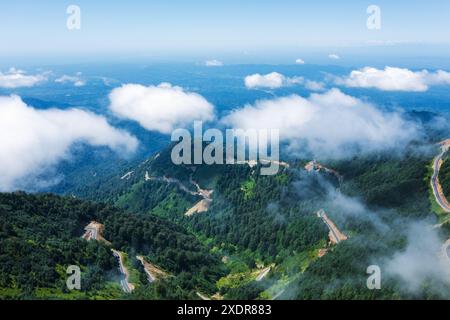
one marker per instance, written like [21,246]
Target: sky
[222,29]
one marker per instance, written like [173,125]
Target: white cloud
[276,80]
[331,124]
[439,77]
[32,140]
[334,56]
[160,108]
[420,261]
[271,80]
[394,79]
[314,85]
[15,78]
[299,61]
[213,63]
[76,79]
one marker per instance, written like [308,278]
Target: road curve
[435,185]
[126,286]
[262,274]
[335,234]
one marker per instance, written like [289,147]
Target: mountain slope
[256,221]
[444,176]
[41,236]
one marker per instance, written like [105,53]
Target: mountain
[444,176]
[267,225]
[41,235]
[227,232]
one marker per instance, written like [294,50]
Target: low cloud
[354,208]
[160,108]
[328,125]
[76,80]
[311,184]
[422,260]
[273,210]
[271,80]
[213,63]
[32,141]
[300,61]
[334,56]
[314,85]
[394,79]
[15,78]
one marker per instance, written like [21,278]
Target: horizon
[230,151]
[201,30]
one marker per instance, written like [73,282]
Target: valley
[222,214]
[165,231]
[224,153]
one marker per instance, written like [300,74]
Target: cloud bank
[15,78]
[421,260]
[32,141]
[160,108]
[394,79]
[330,125]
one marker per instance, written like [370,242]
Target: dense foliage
[270,220]
[40,235]
[444,176]
[253,222]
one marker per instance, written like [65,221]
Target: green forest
[444,176]
[260,238]
[40,236]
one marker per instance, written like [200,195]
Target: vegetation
[254,221]
[40,236]
[444,176]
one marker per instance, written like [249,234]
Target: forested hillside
[395,195]
[40,236]
[444,176]
[256,222]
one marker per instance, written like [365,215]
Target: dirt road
[93,231]
[335,234]
[315,166]
[153,273]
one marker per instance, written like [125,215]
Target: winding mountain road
[335,235]
[93,231]
[262,274]
[435,185]
[201,206]
[126,285]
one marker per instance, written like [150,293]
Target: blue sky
[232,28]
